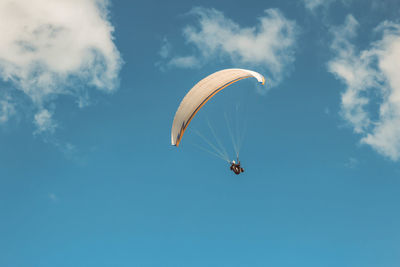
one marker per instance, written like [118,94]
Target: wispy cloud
[351,163]
[185,62]
[268,45]
[165,49]
[53,197]
[44,122]
[313,4]
[7,108]
[372,80]
[54,48]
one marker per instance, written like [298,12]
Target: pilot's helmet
[233,162]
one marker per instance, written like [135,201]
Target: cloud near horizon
[54,48]
[371,100]
[269,45]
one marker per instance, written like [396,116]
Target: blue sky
[88,92]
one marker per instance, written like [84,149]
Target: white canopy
[203,91]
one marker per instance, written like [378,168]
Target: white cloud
[371,76]
[268,45]
[51,48]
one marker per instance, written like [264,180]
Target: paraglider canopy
[203,91]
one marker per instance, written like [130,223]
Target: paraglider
[200,94]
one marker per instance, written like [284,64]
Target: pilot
[235,167]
